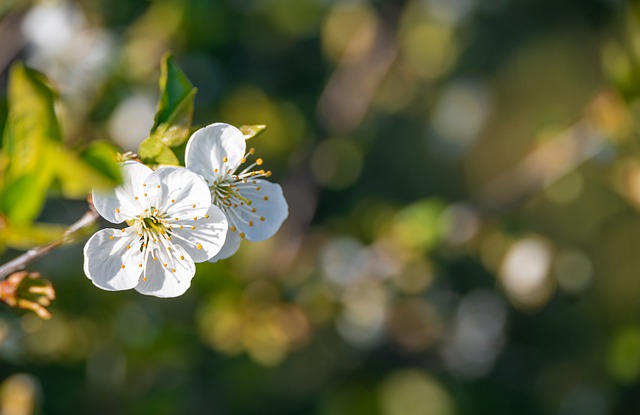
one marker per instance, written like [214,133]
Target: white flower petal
[167,279]
[119,204]
[106,252]
[270,207]
[209,146]
[178,192]
[231,245]
[202,238]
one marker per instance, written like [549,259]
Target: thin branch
[19,263]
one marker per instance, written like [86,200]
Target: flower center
[154,225]
[226,189]
[150,225]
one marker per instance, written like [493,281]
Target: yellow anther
[199,246]
[155,258]
[164,265]
[253,210]
[117,210]
[266,198]
[258,188]
[233,229]
[158,186]
[195,218]
[145,195]
[243,160]
[267,174]
[145,184]
[181,226]
[177,218]
[123,230]
[206,216]
[224,160]
[259,162]
[193,206]
[144,278]
[111,237]
[173,270]
[193,228]
[135,198]
[252,150]
[122,266]
[182,257]
[215,171]
[173,201]
[262,218]
[250,223]
[139,265]
[128,246]
[242,235]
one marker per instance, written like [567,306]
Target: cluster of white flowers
[178,216]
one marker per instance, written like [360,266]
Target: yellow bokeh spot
[411,392]
[348,26]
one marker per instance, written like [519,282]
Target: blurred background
[463,179]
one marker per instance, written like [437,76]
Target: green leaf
[20,202]
[175,108]
[77,177]
[27,236]
[153,151]
[31,131]
[31,122]
[33,156]
[250,131]
[103,157]
[172,122]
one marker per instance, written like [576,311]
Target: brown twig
[19,263]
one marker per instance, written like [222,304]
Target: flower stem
[20,262]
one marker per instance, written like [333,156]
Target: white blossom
[255,208]
[171,224]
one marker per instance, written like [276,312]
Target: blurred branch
[12,39]
[88,219]
[605,118]
[349,92]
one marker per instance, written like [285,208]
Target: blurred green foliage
[33,158]
[463,180]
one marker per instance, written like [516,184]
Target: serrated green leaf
[153,151]
[250,131]
[175,109]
